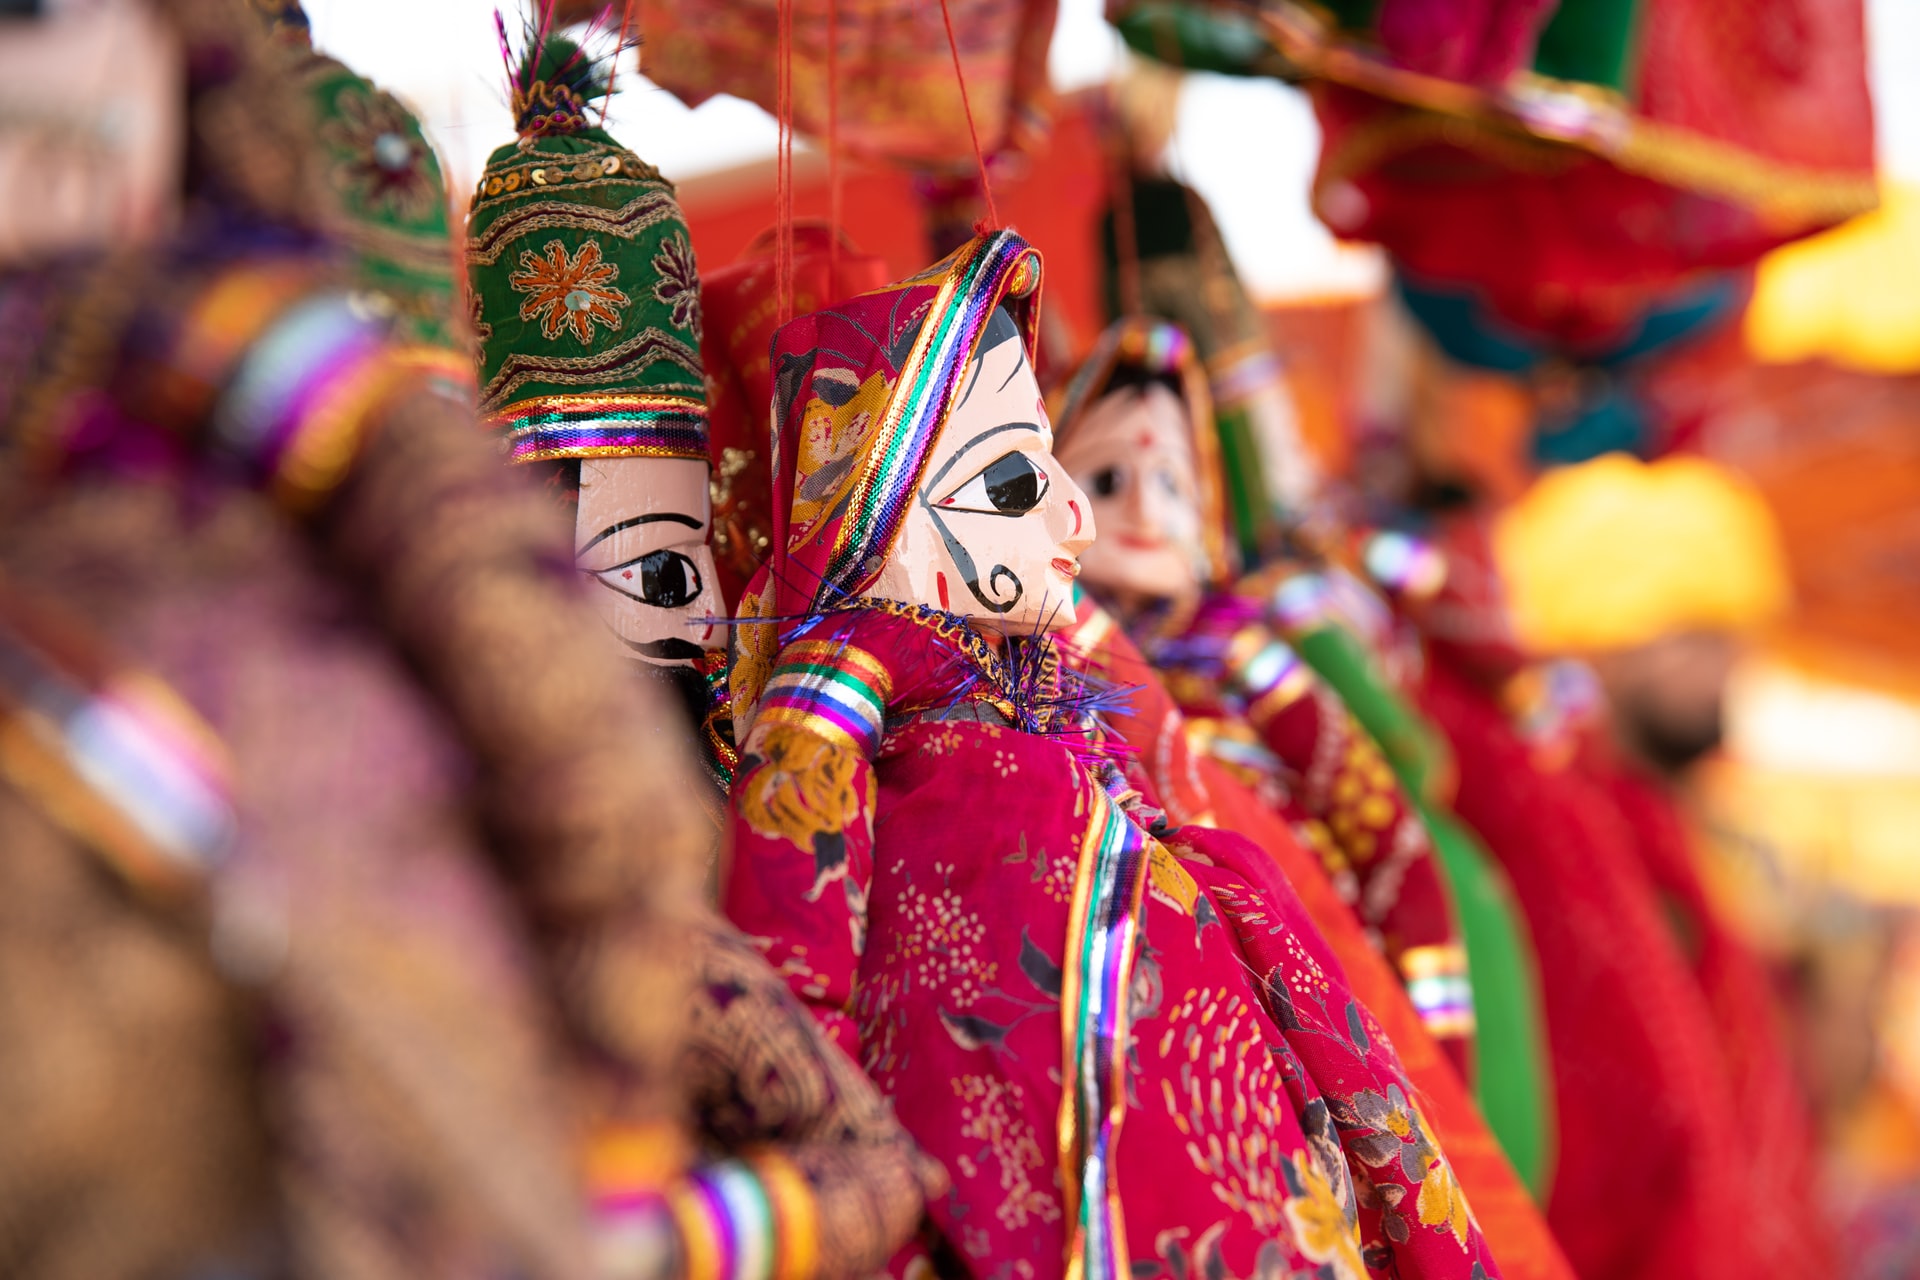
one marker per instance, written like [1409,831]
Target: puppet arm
[1346,787]
[802,819]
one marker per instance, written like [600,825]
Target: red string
[783,168]
[966,105]
[626,33]
[833,144]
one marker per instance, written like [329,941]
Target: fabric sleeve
[802,823]
[1365,824]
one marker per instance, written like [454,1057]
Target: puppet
[1136,432]
[1126,1042]
[586,305]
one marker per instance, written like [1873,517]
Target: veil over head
[860,393]
[1163,350]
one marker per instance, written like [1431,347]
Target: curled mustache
[668,650]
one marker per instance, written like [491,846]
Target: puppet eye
[1010,486]
[1106,482]
[664,579]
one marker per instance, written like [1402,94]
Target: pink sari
[1132,1051]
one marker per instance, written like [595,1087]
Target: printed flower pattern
[678,288]
[1398,1136]
[569,292]
[804,789]
[1321,1226]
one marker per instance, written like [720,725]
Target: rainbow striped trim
[1265,673]
[1309,601]
[295,407]
[128,767]
[831,689]
[982,273]
[603,426]
[1102,940]
[1439,987]
[728,1219]
[1404,565]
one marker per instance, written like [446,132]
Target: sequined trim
[604,426]
[831,689]
[1439,988]
[1265,673]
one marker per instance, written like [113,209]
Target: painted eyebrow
[974,368]
[967,448]
[673,516]
[1010,374]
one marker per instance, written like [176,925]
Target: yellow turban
[1616,552]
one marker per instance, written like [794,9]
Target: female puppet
[1134,432]
[1125,1043]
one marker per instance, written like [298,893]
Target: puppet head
[913,459]
[586,304]
[1136,433]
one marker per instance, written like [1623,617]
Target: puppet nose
[1076,531]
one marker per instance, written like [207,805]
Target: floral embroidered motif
[1223,1093]
[569,292]
[384,163]
[940,940]
[678,287]
[990,1113]
[1321,1226]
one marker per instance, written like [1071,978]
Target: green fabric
[1198,39]
[1510,1057]
[392,200]
[1243,476]
[582,275]
[1590,41]
[1511,1081]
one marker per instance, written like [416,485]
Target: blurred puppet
[354,883]
[1648,992]
[1134,424]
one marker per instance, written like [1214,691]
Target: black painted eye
[1106,482]
[1010,486]
[664,579]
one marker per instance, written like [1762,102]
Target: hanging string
[966,105]
[625,40]
[1126,235]
[783,170]
[833,144]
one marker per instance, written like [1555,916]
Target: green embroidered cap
[392,208]
[585,295]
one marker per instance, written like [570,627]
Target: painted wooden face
[641,534]
[103,169]
[997,525]
[1133,455]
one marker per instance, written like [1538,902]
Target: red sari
[1131,1050]
[1196,789]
